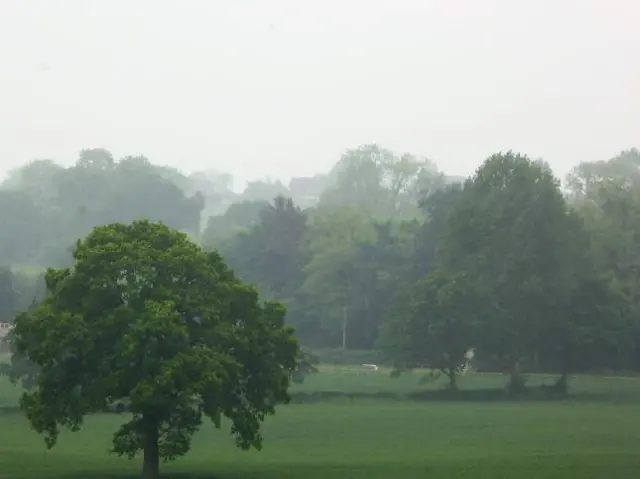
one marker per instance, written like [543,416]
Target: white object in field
[463,368]
[370,367]
[470,354]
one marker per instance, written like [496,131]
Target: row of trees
[530,274]
[46,207]
[545,271]
[336,265]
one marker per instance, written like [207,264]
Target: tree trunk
[369,334]
[453,379]
[151,465]
[562,384]
[517,381]
[515,369]
[344,327]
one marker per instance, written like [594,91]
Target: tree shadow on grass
[462,395]
[538,393]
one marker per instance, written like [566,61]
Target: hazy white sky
[282,87]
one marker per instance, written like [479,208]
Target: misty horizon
[272,89]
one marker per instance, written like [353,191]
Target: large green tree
[269,252]
[510,229]
[434,322]
[331,276]
[382,264]
[436,208]
[147,316]
[607,196]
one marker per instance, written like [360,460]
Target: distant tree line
[534,275]
[46,207]
[386,252]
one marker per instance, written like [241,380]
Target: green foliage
[269,253]
[22,226]
[434,322]
[146,315]
[307,364]
[331,273]
[8,296]
[558,276]
[382,184]
[238,218]
[20,371]
[437,208]
[585,182]
[510,230]
[366,248]
[46,207]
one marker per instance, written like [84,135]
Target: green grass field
[590,436]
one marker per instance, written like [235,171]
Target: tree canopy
[435,322]
[47,207]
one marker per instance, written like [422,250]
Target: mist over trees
[47,207]
[385,252]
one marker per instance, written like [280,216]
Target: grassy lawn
[370,440]
[348,380]
[374,438]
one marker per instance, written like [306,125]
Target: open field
[350,381]
[369,441]
[340,383]
[375,438]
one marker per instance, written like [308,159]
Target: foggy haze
[281,88]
